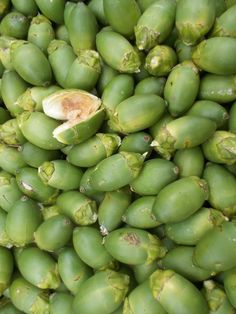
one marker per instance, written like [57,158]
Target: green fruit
[124,58]
[46,276]
[114,286]
[194,19]
[176,294]
[180,199]
[73,271]
[134,246]
[22,221]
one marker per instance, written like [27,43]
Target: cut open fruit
[81,111]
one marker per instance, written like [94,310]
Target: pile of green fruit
[118,157]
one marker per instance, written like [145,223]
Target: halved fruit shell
[81,110]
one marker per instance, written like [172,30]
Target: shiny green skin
[12,86]
[132,116]
[114,287]
[96,6]
[222,188]
[61,33]
[190,161]
[229,285]
[124,58]
[36,68]
[9,191]
[11,159]
[82,26]
[181,88]
[68,9]
[116,171]
[138,142]
[15,24]
[211,110]
[73,271]
[217,299]
[28,298]
[182,197]
[144,4]
[151,85]
[134,246]
[88,244]
[139,213]
[117,90]
[208,55]
[31,99]
[41,32]
[87,189]
[31,185]
[167,285]
[82,130]
[4,239]
[224,26]
[112,208]
[6,307]
[218,88]
[37,128]
[54,233]
[84,71]
[34,156]
[141,300]
[143,271]
[78,207]
[46,276]
[148,184]
[22,221]
[155,24]
[122,15]
[60,50]
[107,74]
[92,151]
[4,113]
[27,7]
[216,249]
[194,19]
[61,303]
[181,133]
[6,265]
[166,118]
[221,148]
[160,60]
[10,133]
[52,172]
[53,10]
[232,118]
[184,52]
[179,259]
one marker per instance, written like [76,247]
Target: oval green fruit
[134,246]
[180,199]
[114,286]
